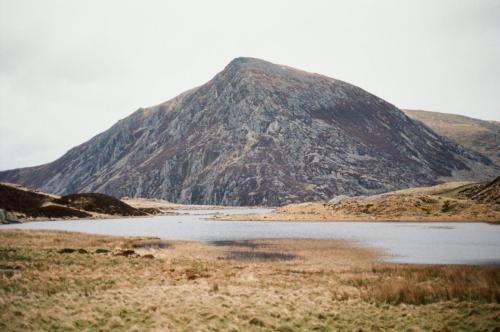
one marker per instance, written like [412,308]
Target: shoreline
[448,202]
[454,202]
[238,218]
[173,211]
[266,218]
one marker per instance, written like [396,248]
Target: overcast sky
[71,69]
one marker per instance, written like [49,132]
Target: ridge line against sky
[71,69]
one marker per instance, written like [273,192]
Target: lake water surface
[405,242]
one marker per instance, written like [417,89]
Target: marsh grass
[427,284]
[191,286]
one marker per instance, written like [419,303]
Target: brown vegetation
[70,281]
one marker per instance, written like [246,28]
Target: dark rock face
[257,133]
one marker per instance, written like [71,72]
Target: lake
[404,242]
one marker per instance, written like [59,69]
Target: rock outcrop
[258,134]
[7,217]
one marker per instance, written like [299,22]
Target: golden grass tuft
[427,284]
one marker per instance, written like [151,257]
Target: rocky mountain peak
[257,71]
[245,62]
[242,64]
[258,133]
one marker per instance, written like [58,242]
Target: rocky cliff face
[257,133]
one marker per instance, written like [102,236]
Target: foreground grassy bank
[70,281]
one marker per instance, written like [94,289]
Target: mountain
[259,133]
[478,135]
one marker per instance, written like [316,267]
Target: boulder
[7,217]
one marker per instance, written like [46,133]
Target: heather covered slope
[259,133]
[29,204]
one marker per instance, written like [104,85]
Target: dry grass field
[63,281]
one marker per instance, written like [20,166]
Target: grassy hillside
[454,201]
[478,135]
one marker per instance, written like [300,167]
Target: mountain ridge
[257,134]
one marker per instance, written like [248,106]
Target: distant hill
[478,135]
[259,133]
